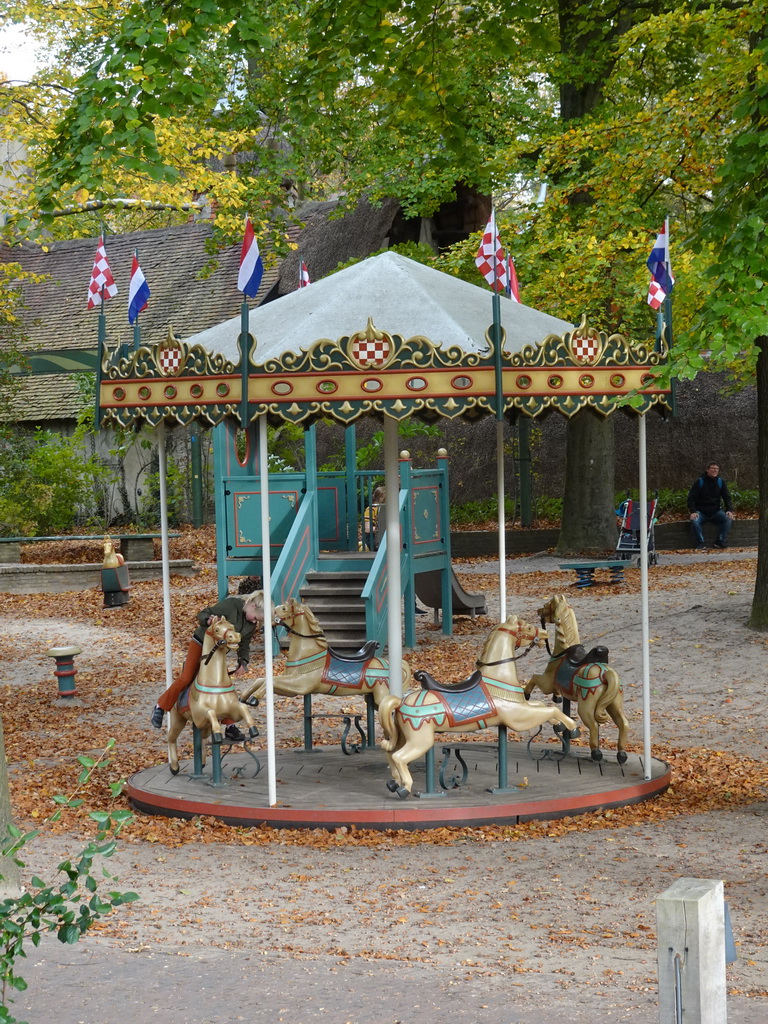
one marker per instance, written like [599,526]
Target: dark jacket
[707,493]
[233,610]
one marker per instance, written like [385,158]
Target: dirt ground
[513,925]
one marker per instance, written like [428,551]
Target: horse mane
[311,619]
[566,627]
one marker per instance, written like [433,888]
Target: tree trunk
[589,520]
[758,619]
[9,882]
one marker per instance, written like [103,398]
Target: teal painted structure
[314,514]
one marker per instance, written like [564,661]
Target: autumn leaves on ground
[43,740]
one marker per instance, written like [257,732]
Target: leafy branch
[70,906]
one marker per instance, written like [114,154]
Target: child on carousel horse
[243,611]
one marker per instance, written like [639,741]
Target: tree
[402,99]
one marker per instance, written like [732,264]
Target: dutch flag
[661,271]
[251,265]
[138,291]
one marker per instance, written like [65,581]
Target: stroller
[628,544]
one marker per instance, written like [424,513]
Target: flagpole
[245,356]
[496,336]
[101,339]
[266,575]
[136,327]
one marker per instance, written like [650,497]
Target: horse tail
[610,691]
[388,721]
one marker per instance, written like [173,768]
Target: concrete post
[690,928]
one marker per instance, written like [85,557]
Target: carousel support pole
[350,472]
[162,466]
[646,644]
[266,572]
[197,754]
[196,465]
[394,548]
[370,720]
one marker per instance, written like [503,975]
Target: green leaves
[70,906]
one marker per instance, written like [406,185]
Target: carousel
[392,339]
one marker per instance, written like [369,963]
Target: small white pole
[162,469]
[502,521]
[394,546]
[644,617]
[266,574]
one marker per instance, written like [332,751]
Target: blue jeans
[724,525]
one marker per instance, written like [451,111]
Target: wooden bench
[134,547]
[585,571]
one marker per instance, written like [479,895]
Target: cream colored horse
[594,685]
[491,696]
[311,666]
[212,695]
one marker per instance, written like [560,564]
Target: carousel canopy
[400,296]
[387,336]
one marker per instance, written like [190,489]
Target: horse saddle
[577,655]
[429,683]
[366,652]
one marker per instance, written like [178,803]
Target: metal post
[690,927]
[524,463]
[65,671]
[196,464]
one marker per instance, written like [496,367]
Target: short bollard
[65,670]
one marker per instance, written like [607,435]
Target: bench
[134,547]
[585,571]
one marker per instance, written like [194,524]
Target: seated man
[704,502]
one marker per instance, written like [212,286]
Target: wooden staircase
[335,599]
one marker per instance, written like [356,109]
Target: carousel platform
[325,788]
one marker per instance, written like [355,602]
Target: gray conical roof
[400,295]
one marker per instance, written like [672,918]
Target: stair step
[346,574]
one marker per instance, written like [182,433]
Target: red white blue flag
[138,291]
[304,278]
[661,272]
[513,287]
[490,259]
[102,282]
[251,264]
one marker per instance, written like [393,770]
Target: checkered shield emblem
[585,346]
[371,349]
[170,357]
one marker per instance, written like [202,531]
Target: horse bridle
[514,657]
[294,632]
[544,625]
[218,643]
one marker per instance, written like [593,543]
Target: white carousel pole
[644,600]
[394,545]
[266,574]
[500,493]
[162,468]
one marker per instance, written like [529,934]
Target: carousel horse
[582,676]
[212,697]
[112,558]
[490,696]
[314,667]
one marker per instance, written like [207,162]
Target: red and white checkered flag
[102,282]
[491,259]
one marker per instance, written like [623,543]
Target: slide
[429,592]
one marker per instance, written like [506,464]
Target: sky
[17,53]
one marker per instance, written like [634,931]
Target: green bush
[43,480]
